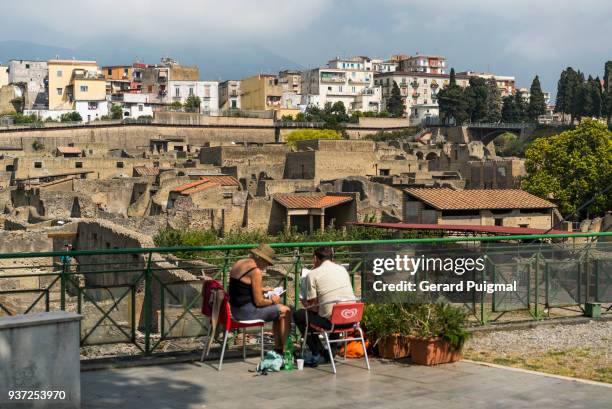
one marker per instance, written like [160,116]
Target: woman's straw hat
[264,252]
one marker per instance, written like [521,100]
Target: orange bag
[354,349]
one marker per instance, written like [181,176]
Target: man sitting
[326,283]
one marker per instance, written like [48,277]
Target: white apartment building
[349,81]
[207,91]
[381,66]
[134,105]
[418,90]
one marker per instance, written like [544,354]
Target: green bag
[272,362]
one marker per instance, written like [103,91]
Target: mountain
[215,62]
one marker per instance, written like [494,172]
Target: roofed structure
[476,199]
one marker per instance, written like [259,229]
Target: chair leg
[344,336]
[244,344]
[262,342]
[304,342]
[365,352]
[223,350]
[329,350]
[207,343]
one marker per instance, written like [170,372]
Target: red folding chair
[231,324]
[344,313]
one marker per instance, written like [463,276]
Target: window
[524,226]
[110,71]
[234,105]
[177,92]
[425,81]
[329,88]
[340,88]
[384,172]
[353,89]
[78,165]
[499,221]
[120,165]
[84,88]
[59,91]
[38,165]
[59,73]
[140,108]
[190,91]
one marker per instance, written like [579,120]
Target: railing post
[148,305]
[537,285]
[297,270]
[63,282]
[224,278]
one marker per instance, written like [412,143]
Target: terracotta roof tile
[320,201]
[146,170]
[449,199]
[223,180]
[188,185]
[199,188]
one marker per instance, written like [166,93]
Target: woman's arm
[257,288]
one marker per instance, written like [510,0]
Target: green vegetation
[309,134]
[176,106]
[116,112]
[537,106]
[395,105]
[452,102]
[574,167]
[71,117]
[192,104]
[38,145]
[421,320]
[20,118]
[580,98]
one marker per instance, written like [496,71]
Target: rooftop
[69,150]
[301,201]
[495,230]
[223,180]
[476,199]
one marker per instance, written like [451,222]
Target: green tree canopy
[192,103]
[607,95]
[494,101]
[572,167]
[476,96]
[395,105]
[537,105]
[71,117]
[452,102]
[510,110]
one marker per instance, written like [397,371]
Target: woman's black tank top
[240,293]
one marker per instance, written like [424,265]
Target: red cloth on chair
[207,289]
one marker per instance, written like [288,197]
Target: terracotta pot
[394,346]
[432,351]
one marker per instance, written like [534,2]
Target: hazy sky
[513,37]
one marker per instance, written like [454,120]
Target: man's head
[321,254]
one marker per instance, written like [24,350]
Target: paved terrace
[389,385]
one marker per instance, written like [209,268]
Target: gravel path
[545,338]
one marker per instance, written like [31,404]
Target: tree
[573,167]
[476,97]
[578,95]
[452,102]
[176,106]
[395,105]
[116,112]
[537,105]
[494,101]
[192,104]
[607,91]
[510,111]
[521,105]
[596,97]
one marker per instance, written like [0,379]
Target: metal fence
[145,297]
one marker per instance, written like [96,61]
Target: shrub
[310,134]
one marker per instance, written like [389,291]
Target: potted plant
[438,333]
[388,328]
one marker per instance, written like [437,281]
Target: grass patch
[586,363]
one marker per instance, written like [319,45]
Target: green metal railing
[143,298]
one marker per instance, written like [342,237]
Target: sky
[234,38]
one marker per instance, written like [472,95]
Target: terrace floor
[388,385]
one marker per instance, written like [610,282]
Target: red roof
[507,230]
[194,187]
[320,201]
[474,199]
[223,180]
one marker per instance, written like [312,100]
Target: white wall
[91,110]
[207,91]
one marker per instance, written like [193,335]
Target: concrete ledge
[42,318]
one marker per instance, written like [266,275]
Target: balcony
[414,84]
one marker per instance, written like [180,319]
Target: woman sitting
[246,293]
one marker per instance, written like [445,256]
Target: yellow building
[71,81]
[261,93]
